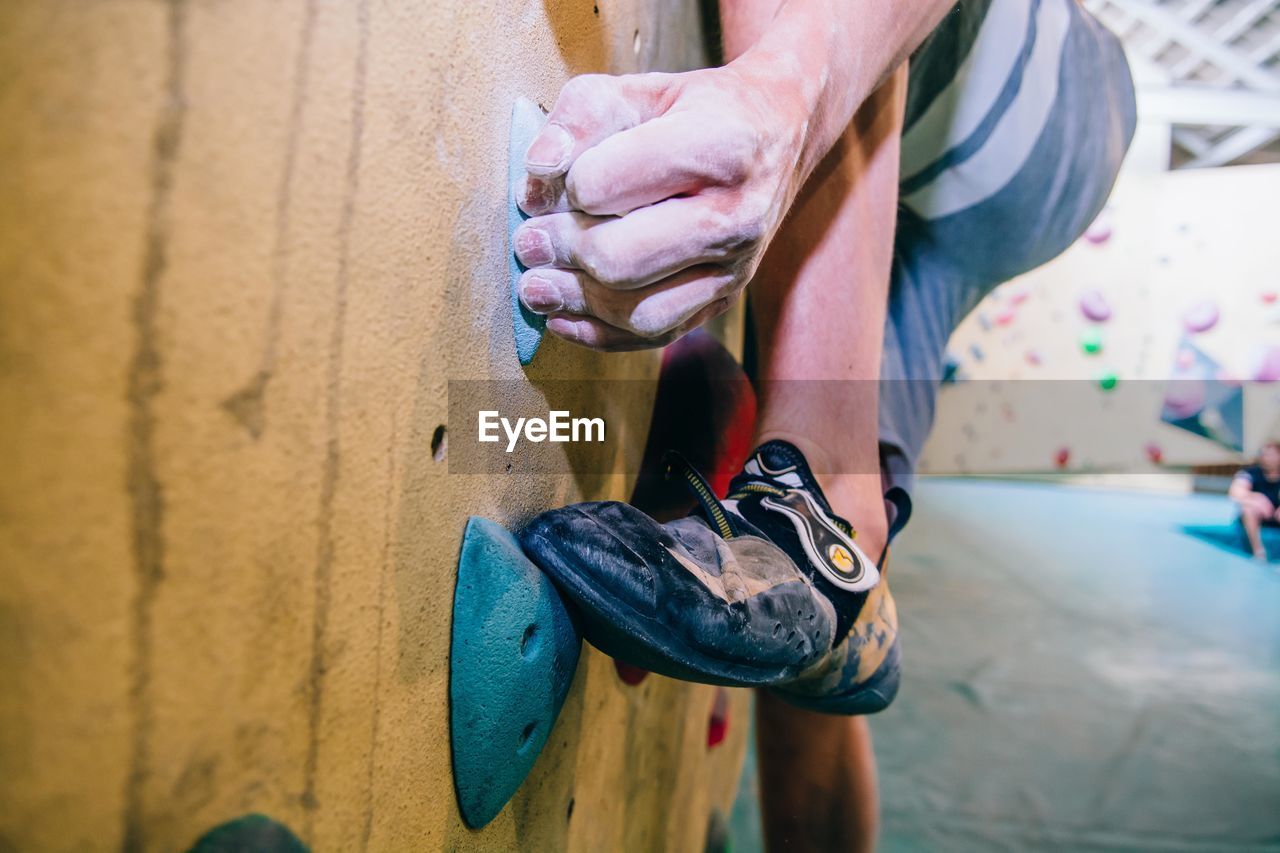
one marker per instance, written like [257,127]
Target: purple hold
[1184,398]
[1267,368]
[1099,231]
[1201,317]
[1094,306]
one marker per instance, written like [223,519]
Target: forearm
[823,58]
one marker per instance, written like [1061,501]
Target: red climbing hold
[1154,453]
[629,674]
[1062,457]
[718,726]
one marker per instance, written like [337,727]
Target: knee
[1255,512]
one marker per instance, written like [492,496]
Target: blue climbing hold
[513,656]
[526,120]
[252,833]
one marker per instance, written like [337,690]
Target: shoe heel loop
[677,466]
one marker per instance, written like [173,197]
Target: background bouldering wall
[1071,366]
[244,247]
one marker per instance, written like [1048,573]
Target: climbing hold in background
[984,321]
[1199,401]
[526,120]
[1266,364]
[513,656]
[629,674]
[1019,296]
[1201,317]
[1184,398]
[1094,306]
[1034,357]
[718,725]
[1107,380]
[1268,297]
[1099,231]
[1006,317]
[252,833]
[1154,454]
[1091,341]
[1062,457]
[976,352]
[950,369]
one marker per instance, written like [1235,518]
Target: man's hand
[653,197]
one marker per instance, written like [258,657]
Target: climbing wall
[244,247]
[1134,350]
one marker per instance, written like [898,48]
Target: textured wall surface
[243,248]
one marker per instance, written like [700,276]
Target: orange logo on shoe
[840,557]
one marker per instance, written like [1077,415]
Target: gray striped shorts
[1018,115]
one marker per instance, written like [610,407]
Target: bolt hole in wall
[439,443]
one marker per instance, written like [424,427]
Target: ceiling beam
[1191,38]
[1208,106]
[1234,146]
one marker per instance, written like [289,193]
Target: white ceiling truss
[1210,69]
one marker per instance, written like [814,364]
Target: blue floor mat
[1231,537]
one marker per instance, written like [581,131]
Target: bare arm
[834,54]
[654,196]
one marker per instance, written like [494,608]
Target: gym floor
[1081,673]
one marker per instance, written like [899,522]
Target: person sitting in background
[1257,490]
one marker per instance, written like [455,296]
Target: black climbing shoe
[766,588]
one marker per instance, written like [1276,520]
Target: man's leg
[1252,514]
[818,305]
[817,779]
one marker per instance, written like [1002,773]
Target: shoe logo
[829,550]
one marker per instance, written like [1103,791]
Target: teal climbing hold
[513,656]
[526,120]
[252,833]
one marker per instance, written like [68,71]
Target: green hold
[1091,341]
[252,833]
[1107,380]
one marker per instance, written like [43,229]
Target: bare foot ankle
[858,499]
